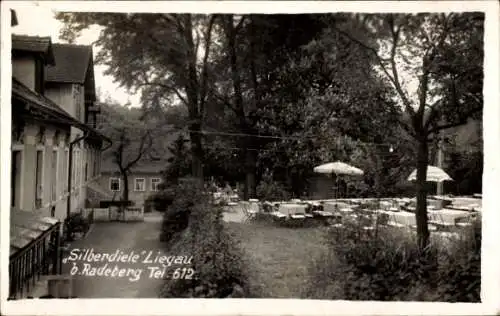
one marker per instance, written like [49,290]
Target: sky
[37,19]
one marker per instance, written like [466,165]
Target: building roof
[71,63]
[20,90]
[151,166]
[34,44]
[46,105]
[25,227]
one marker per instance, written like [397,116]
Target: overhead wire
[275,137]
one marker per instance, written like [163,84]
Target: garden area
[259,258]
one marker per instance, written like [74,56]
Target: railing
[40,257]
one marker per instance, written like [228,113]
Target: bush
[162,200]
[269,190]
[76,223]
[217,259]
[184,197]
[385,264]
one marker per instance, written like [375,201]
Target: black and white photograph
[313,156]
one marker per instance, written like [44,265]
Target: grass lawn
[279,256]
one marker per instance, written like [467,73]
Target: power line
[218,133]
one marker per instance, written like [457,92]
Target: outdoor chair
[267,207]
[249,211]
[440,223]
[393,222]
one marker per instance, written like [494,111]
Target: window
[53,182]
[114,184]
[15,179]
[140,184]
[154,184]
[38,179]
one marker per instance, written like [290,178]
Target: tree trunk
[421,188]
[250,185]
[249,162]
[197,151]
[125,187]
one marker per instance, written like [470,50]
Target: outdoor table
[292,209]
[346,210]
[323,213]
[278,214]
[404,218]
[334,206]
[386,204]
[446,216]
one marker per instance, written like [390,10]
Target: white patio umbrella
[339,168]
[434,174]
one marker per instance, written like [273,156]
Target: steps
[95,194]
[52,286]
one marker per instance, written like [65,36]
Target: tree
[442,54]
[179,161]
[253,47]
[325,92]
[158,55]
[132,139]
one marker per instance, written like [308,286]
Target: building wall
[54,148]
[138,197]
[54,172]
[71,97]
[23,69]
[61,94]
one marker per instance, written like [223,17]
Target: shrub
[459,273]
[217,258]
[270,190]
[163,199]
[175,219]
[76,223]
[385,264]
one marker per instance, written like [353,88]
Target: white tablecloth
[335,206]
[447,216]
[408,218]
[404,218]
[292,208]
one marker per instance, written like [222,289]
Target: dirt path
[110,238]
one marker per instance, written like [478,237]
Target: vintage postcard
[206,157]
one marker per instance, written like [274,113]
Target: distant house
[55,152]
[143,180]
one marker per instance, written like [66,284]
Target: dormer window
[30,55]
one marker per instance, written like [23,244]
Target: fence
[129,214]
[40,257]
